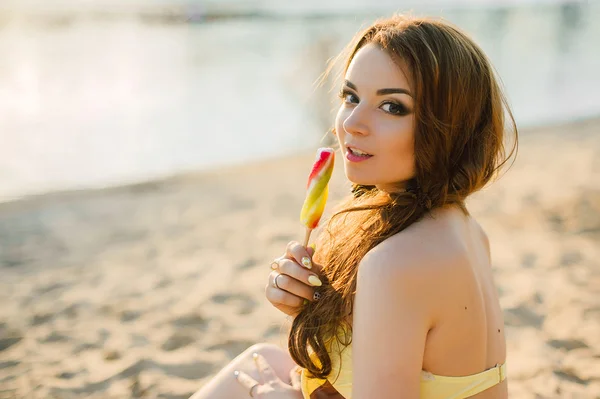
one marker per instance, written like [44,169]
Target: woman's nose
[356,122]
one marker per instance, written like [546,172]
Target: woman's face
[376,117]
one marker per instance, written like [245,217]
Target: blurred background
[153,156]
[106,93]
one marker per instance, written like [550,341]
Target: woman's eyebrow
[350,84]
[380,92]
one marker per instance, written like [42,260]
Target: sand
[148,290]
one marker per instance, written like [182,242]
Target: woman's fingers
[265,370]
[275,263]
[292,269]
[296,284]
[247,382]
[300,254]
[279,296]
[289,286]
[295,374]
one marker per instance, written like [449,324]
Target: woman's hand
[293,285]
[271,386]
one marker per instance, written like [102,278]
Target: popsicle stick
[307,236]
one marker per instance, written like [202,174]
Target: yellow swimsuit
[432,386]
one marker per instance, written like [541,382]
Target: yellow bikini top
[432,386]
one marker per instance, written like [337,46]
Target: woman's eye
[348,97]
[394,109]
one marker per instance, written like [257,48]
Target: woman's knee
[264,348]
[278,358]
[224,384]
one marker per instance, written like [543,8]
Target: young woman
[407,306]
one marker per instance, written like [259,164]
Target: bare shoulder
[432,244]
[428,261]
[417,266]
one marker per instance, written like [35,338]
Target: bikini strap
[501,372]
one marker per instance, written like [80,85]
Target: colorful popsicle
[317,190]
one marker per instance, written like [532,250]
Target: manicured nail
[306,262]
[314,280]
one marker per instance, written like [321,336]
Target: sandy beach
[148,290]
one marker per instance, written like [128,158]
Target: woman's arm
[391,318]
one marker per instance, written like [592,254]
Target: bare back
[468,337]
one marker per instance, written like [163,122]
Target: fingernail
[314,280]
[306,262]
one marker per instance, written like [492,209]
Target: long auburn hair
[460,122]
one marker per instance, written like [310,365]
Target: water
[90,101]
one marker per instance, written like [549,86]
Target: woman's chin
[365,181]
[359,177]
[359,180]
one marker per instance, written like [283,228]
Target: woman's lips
[352,157]
[357,150]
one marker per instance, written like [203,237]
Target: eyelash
[403,111]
